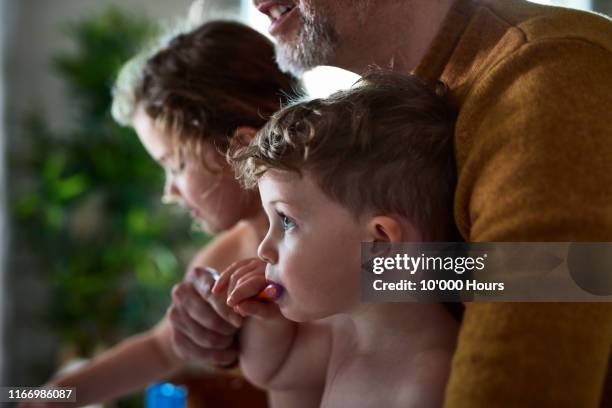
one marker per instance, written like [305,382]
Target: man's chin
[305,50]
[289,59]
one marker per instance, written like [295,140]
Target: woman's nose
[266,250]
[171,192]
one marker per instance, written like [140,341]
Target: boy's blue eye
[286,222]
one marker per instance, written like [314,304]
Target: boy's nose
[266,251]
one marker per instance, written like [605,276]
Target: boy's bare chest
[355,381]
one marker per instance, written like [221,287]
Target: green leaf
[71,187]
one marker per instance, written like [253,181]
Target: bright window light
[577,4]
[252,17]
[323,81]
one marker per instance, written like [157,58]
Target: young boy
[371,164]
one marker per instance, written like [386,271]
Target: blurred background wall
[602,6]
[37,34]
[3,228]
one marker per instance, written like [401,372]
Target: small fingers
[254,268]
[225,276]
[246,287]
[239,275]
[255,308]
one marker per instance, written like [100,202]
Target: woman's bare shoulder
[230,246]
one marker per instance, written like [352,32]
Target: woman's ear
[244,135]
[383,228]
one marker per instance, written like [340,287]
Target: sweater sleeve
[534,153]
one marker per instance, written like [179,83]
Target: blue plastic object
[165,395]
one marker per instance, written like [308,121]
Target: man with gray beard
[315,42]
[533,144]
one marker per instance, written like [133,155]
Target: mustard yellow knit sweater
[533,87]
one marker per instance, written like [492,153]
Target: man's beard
[314,45]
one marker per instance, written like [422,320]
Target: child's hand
[203,326]
[243,281]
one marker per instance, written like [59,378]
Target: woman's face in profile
[210,193]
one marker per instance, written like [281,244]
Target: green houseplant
[91,210]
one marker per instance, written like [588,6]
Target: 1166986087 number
[41,394]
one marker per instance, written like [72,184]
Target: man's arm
[534,152]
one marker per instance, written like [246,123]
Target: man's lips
[278,12]
[272,8]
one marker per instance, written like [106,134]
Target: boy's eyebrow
[280,202]
[284,202]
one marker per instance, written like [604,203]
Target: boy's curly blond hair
[384,146]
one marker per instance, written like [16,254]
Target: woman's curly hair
[205,83]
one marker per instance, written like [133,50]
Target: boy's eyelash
[283,218]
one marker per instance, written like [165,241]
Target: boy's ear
[244,135]
[383,228]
